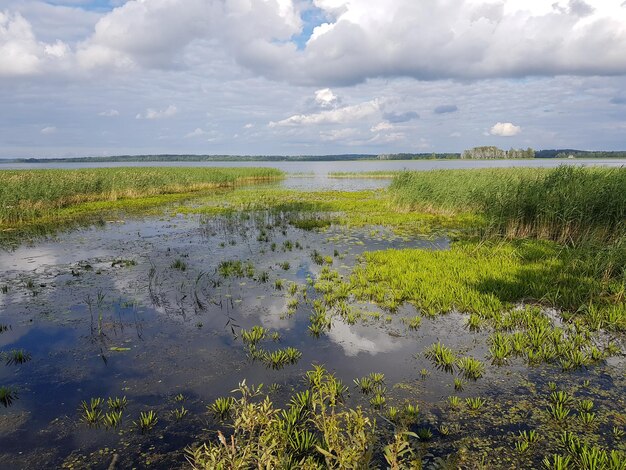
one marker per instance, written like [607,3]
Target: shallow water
[103,313]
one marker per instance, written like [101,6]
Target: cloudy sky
[102,77]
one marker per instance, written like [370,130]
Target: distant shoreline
[540,155]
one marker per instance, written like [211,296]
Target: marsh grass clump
[179,413]
[471,368]
[92,413]
[281,357]
[443,357]
[475,403]
[112,419]
[221,407]
[30,195]
[16,357]
[3,328]
[564,204]
[117,403]
[7,396]
[147,421]
[235,268]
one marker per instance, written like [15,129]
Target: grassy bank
[566,204]
[29,195]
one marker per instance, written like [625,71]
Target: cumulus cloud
[446,108]
[150,113]
[48,130]
[20,51]
[361,39]
[109,113]
[505,129]
[400,117]
[343,115]
[326,98]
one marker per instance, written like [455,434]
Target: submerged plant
[16,356]
[221,407]
[179,413]
[147,421]
[117,404]
[92,411]
[471,368]
[112,419]
[442,356]
[7,396]
[475,403]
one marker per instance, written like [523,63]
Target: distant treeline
[200,158]
[491,152]
[565,153]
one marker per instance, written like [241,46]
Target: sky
[297,77]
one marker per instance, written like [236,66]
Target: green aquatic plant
[317,257]
[221,407]
[285,266]
[471,368]
[558,411]
[561,398]
[179,413]
[454,402]
[424,373]
[179,264]
[378,400]
[178,398]
[413,323]
[16,357]
[92,411]
[557,462]
[442,356]
[475,403]
[525,439]
[117,404]
[424,433]
[281,357]
[112,419]
[278,284]
[585,405]
[7,396]
[254,335]
[459,384]
[146,422]
[263,277]
[587,418]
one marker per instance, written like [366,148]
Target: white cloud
[48,130]
[248,126]
[505,129]
[326,98]
[151,113]
[196,133]
[109,113]
[382,126]
[343,115]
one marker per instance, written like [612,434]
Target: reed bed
[26,195]
[567,204]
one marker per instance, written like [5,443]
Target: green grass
[566,204]
[488,279]
[30,195]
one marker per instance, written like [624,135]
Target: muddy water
[139,309]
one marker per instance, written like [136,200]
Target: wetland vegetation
[460,319]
